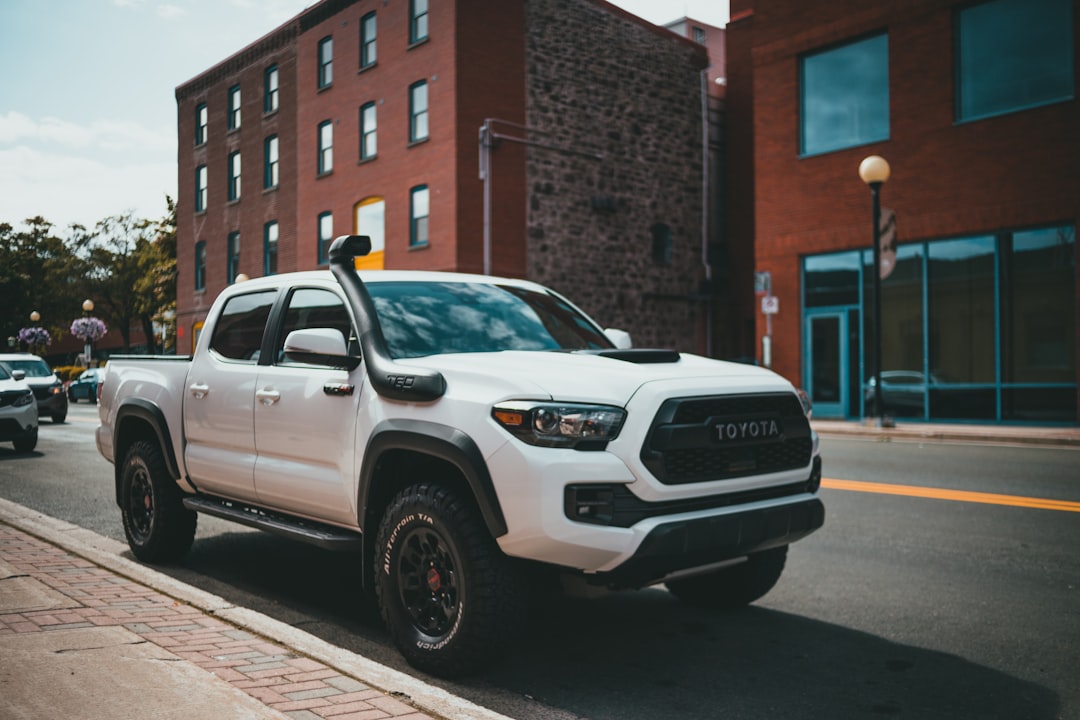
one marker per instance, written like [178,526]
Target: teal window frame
[326,62]
[418,112]
[200,188]
[844,98]
[418,21]
[419,216]
[271,236]
[325,154]
[234,176]
[369,143]
[200,265]
[271,162]
[1023,62]
[234,107]
[232,257]
[368,36]
[271,89]
[201,122]
[324,230]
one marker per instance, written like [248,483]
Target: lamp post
[874,171]
[88,350]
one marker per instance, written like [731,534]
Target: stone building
[561,140]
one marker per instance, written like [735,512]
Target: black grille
[685,444]
[10,396]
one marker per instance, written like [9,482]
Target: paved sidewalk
[86,633]
[1046,436]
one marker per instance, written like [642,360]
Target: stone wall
[614,164]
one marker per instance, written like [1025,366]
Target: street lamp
[874,171]
[34,316]
[88,307]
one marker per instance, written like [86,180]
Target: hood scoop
[638,356]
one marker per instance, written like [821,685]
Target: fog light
[590,503]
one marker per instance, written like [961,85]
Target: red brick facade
[949,178]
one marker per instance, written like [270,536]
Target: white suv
[18,411]
[52,401]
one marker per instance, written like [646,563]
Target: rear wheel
[157,525]
[450,598]
[733,586]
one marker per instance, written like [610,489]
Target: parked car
[47,387]
[86,386]
[902,392]
[18,411]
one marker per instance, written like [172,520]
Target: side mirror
[18,374]
[619,338]
[319,346]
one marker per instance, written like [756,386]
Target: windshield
[4,374]
[33,367]
[431,318]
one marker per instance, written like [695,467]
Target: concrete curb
[1055,437]
[106,553]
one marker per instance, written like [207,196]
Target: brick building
[533,144]
[973,104]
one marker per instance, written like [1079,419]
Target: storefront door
[826,372]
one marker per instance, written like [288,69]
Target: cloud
[128,3]
[105,135]
[68,188]
[170,12]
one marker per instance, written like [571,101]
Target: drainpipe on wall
[705,211]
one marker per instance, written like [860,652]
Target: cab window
[315,308]
[238,332]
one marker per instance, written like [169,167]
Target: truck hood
[585,377]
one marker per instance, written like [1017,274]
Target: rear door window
[238,333]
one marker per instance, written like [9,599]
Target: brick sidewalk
[298,687]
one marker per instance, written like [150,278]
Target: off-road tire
[449,597]
[734,586]
[158,527]
[27,443]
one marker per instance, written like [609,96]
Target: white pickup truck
[460,433]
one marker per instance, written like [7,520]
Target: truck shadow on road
[636,654]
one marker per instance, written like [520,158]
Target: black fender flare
[152,415]
[440,441]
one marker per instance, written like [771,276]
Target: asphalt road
[913,607]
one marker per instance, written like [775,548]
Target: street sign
[770,305]
[887,238]
[762,283]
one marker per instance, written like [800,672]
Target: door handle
[267,396]
[199,390]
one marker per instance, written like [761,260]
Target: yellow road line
[956,495]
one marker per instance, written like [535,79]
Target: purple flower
[35,336]
[88,329]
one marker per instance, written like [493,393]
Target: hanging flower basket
[35,337]
[88,329]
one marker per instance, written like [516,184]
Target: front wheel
[451,600]
[27,442]
[733,586]
[157,525]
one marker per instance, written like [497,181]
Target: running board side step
[325,536]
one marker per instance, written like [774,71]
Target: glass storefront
[973,329]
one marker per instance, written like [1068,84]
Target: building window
[232,259]
[699,35]
[419,210]
[845,96]
[1012,55]
[234,176]
[326,147]
[200,188]
[368,140]
[326,236]
[200,265]
[418,20]
[418,111]
[270,247]
[270,162]
[326,61]
[200,124]
[234,107]
[370,220]
[270,89]
[368,54]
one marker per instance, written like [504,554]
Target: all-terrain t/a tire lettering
[450,598]
[157,525]
[734,586]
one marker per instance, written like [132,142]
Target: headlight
[807,406]
[584,427]
[24,400]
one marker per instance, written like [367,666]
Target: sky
[87,104]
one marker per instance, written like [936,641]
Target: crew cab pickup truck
[463,435]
